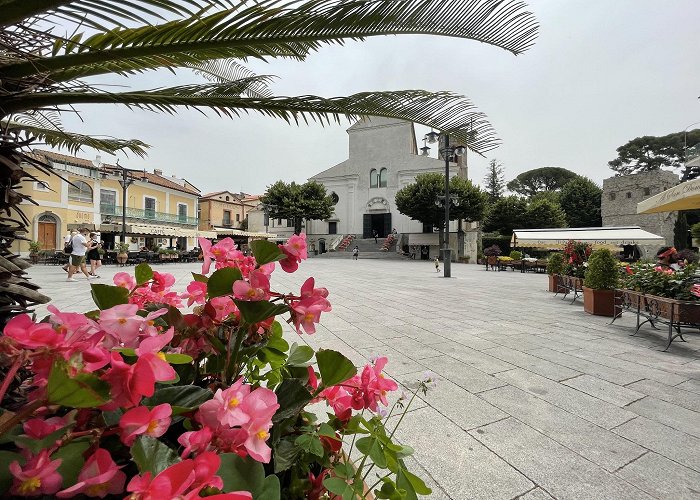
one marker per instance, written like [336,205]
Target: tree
[506,214]
[43,73]
[541,179]
[580,200]
[297,202]
[494,182]
[418,200]
[649,152]
[544,214]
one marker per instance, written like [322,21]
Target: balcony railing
[147,215]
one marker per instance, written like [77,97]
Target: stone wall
[620,198]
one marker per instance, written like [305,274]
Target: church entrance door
[381,223]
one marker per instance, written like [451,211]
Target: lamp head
[432,137]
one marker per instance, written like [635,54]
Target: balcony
[147,215]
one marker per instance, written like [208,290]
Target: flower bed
[140,398]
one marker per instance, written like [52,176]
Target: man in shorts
[77,256]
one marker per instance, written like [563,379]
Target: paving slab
[690,385]
[602,389]
[465,376]
[662,477]
[540,366]
[680,397]
[536,494]
[668,414]
[563,473]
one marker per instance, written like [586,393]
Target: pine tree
[494,182]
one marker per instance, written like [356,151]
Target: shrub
[695,230]
[503,242]
[34,247]
[492,251]
[122,247]
[603,271]
[516,255]
[555,263]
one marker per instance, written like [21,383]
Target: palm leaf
[273,27]
[444,111]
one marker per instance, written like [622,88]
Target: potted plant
[492,254]
[34,249]
[601,279]
[122,253]
[555,267]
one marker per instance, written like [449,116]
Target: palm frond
[274,27]
[444,111]
[228,71]
[53,136]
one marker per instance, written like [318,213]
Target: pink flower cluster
[307,309]
[364,391]
[225,254]
[664,270]
[295,250]
[695,290]
[236,420]
[157,291]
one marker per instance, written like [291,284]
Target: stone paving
[535,398]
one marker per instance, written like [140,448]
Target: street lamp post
[447,152]
[125,182]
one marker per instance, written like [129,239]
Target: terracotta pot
[599,302]
[122,258]
[553,278]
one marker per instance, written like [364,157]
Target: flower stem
[26,411]
[11,375]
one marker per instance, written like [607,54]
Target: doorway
[47,232]
[424,252]
[381,223]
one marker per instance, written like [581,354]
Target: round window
[334,198]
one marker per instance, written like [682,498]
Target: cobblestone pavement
[535,398]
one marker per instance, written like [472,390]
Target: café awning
[684,196]
[166,231]
[598,237]
[227,231]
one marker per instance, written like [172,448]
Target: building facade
[161,211]
[621,195]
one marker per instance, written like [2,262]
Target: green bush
[34,247]
[603,271]
[695,230]
[555,263]
[516,255]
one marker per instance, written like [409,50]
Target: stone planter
[599,302]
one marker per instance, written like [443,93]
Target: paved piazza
[535,398]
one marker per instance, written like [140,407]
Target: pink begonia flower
[257,288]
[129,383]
[206,465]
[149,351]
[664,270]
[99,477]
[122,322]
[223,307]
[205,245]
[305,315]
[162,281]
[37,477]
[39,428]
[32,335]
[296,246]
[124,280]
[226,407]
[256,444]
[695,290]
[195,442]
[291,263]
[196,293]
[141,420]
[375,385]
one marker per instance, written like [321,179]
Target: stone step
[363,255]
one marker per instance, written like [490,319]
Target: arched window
[373,178]
[47,218]
[382,178]
[80,191]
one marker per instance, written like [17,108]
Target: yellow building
[225,213]
[160,210]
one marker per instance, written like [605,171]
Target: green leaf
[178,359]
[326,430]
[241,474]
[143,273]
[220,283]
[112,417]
[334,367]
[412,484]
[72,460]
[152,456]
[199,277]
[344,470]
[183,396]
[36,445]
[339,487]
[299,355]
[270,489]
[82,391]
[310,444]
[6,458]
[108,296]
[260,310]
[371,446]
[265,251]
[285,454]
[292,397]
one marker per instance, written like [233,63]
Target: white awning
[227,231]
[423,239]
[167,231]
[684,196]
[598,237]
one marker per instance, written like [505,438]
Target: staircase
[367,247]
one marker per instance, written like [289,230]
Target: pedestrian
[67,247]
[80,246]
[355,252]
[437,265]
[93,255]
[376,235]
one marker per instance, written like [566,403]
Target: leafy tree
[418,200]
[43,71]
[649,152]
[541,179]
[506,214]
[494,182]
[580,200]
[297,202]
[544,214]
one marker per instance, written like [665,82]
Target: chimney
[158,171]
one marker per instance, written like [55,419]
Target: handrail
[148,215]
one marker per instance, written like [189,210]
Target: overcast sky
[601,73]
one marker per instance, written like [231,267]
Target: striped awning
[227,231]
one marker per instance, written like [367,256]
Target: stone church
[383,158]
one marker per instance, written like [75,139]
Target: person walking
[437,265]
[355,253]
[93,255]
[77,257]
[376,235]
[67,247]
